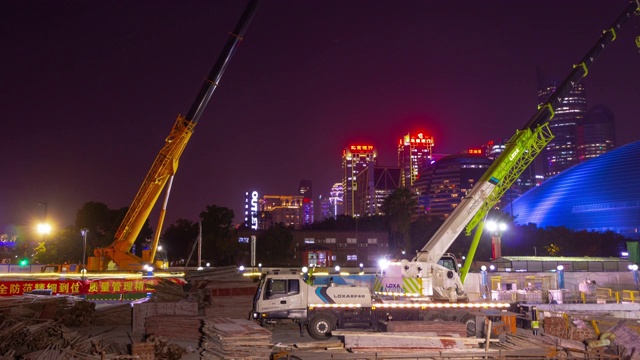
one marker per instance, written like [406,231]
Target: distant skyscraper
[306,190]
[375,184]
[414,152]
[336,199]
[525,181]
[445,182]
[596,133]
[355,158]
[561,153]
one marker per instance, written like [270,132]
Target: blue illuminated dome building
[602,194]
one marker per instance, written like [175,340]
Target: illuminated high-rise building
[414,152]
[596,133]
[332,205]
[445,182]
[561,153]
[285,209]
[355,158]
[305,189]
[375,184]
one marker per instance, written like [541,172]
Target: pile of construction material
[226,338]
[581,335]
[411,336]
[222,281]
[47,339]
[563,328]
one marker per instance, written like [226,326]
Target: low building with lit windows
[345,249]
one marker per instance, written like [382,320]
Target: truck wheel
[470,323]
[320,327]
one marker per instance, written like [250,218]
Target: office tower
[414,151]
[336,197]
[561,153]
[355,158]
[305,189]
[596,133]
[375,184]
[444,183]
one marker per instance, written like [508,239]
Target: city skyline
[88,104]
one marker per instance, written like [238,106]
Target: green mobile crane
[445,283]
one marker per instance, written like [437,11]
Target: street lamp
[496,229]
[634,270]
[560,272]
[484,281]
[84,233]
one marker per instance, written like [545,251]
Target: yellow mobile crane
[118,254]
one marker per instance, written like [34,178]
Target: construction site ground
[209,319]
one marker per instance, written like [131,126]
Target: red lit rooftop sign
[422,139]
[360,148]
[474,151]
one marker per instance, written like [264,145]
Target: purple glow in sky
[90,90]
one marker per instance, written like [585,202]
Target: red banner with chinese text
[77,287]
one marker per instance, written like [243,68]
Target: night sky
[90,90]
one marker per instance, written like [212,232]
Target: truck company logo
[349,296]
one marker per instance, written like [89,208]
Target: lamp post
[634,270]
[485,281]
[560,269]
[496,229]
[84,233]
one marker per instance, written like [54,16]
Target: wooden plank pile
[404,341]
[32,339]
[223,281]
[226,338]
[33,306]
[547,345]
[411,336]
[144,310]
[174,326]
[236,307]
[444,328]
[116,314]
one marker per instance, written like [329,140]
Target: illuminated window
[309,241]
[352,257]
[372,241]
[331,240]
[352,241]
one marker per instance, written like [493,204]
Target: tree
[219,243]
[103,223]
[398,208]
[179,238]
[273,246]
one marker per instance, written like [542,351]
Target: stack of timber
[35,306]
[144,310]
[546,345]
[115,314]
[174,326]
[222,281]
[411,336]
[235,307]
[46,339]
[444,328]
[226,338]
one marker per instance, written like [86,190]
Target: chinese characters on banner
[76,287]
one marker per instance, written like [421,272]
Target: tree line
[220,246]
